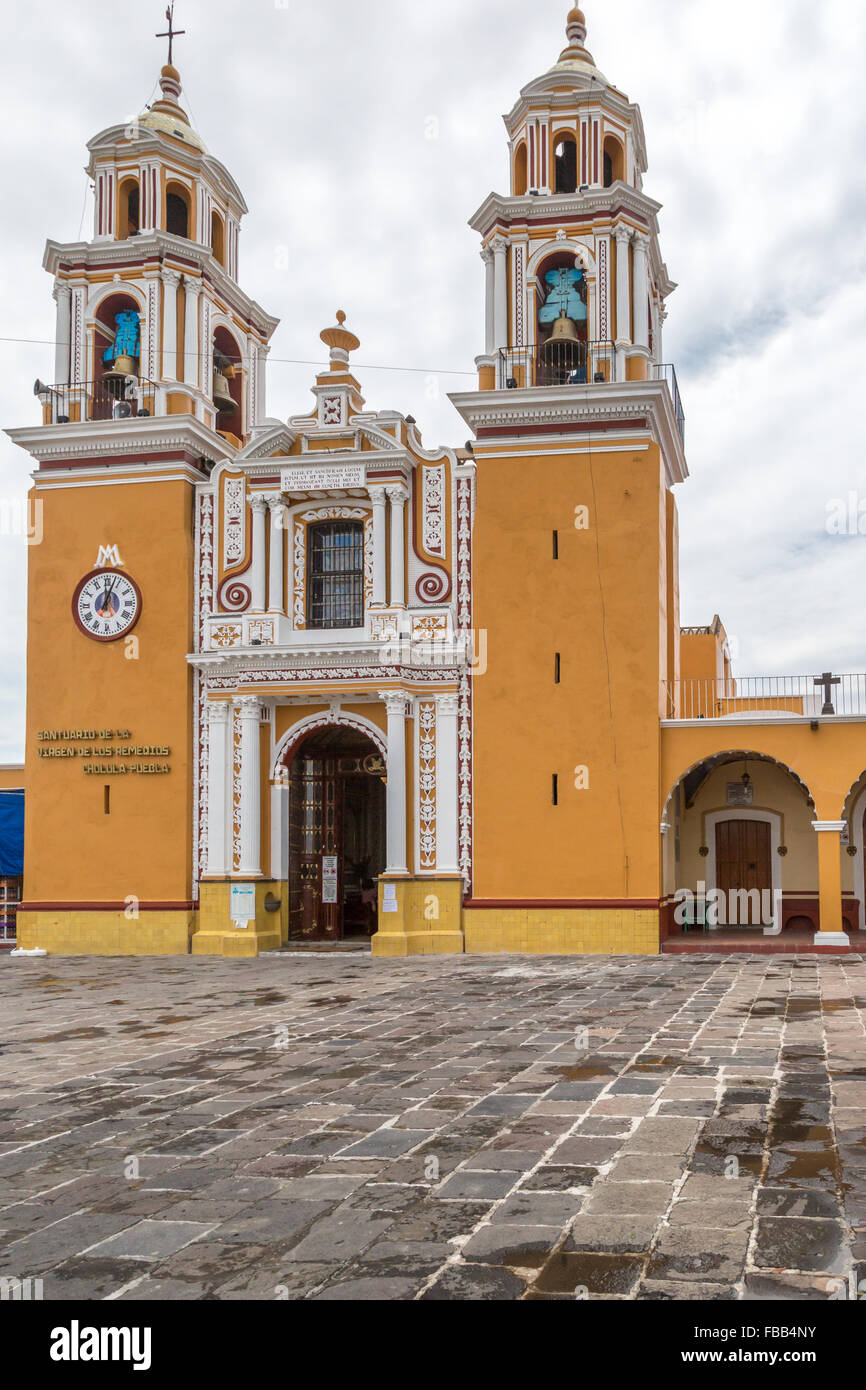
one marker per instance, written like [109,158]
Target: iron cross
[172,33]
[828,681]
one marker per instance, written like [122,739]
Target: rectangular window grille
[335,575]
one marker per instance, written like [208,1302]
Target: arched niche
[128,208]
[177,210]
[228,383]
[110,318]
[218,238]
[521,170]
[614,161]
[565,162]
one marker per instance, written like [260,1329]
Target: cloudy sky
[756,126]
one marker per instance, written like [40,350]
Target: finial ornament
[171,33]
[340,340]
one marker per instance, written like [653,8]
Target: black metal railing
[110,398]
[765,698]
[566,363]
[557,363]
[667,372]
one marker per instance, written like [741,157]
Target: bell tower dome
[576,285]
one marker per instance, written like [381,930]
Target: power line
[288,361]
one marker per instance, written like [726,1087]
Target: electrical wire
[287,361]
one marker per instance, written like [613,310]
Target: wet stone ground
[333,1127]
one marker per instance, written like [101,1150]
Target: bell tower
[575,283]
[159,375]
[578,446]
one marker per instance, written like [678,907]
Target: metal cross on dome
[171,33]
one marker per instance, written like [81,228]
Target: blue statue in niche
[567,295]
[127,342]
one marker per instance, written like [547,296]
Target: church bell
[122,367]
[222,397]
[564,335]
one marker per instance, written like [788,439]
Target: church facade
[304,681]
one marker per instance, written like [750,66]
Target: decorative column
[250,788]
[399,497]
[63,342]
[275,575]
[170,282]
[831,931]
[623,298]
[258,506]
[395,802]
[489,300]
[500,314]
[217,783]
[641,290]
[378,497]
[190,335]
[447,845]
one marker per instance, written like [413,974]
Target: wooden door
[743,858]
[315,843]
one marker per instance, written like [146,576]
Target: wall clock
[106,605]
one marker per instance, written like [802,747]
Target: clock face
[106,605]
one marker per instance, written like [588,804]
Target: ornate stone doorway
[337,847]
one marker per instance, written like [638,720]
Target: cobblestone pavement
[333,1127]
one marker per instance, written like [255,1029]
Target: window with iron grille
[335,575]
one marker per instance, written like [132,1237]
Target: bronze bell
[222,397]
[122,367]
[564,333]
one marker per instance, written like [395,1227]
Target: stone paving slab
[472,1128]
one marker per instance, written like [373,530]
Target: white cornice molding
[155,435]
[159,246]
[555,406]
[595,203]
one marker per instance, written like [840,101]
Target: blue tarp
[11,834]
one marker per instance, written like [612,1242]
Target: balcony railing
[764,698]
[665,371]
[578,364]
[557,364]
[111,398]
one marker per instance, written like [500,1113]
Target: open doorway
[337,846]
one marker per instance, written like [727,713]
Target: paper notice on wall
[389,906]
[242,905]
[389,892]
[330,878]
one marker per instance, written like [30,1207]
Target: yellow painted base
[88,933]
[426,920]
[562,932]
[216,936]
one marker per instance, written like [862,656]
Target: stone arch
[733,755]
[334,718]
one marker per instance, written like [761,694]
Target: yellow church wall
[78,857]
[598,843]
[11,779]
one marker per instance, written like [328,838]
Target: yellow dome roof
[167,116]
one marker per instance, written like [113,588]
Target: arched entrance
[336,830]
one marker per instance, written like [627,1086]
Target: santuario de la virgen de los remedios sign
[105,752]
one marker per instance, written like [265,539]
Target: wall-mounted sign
[740,794]
[104,752]
[324,477]
[330,877]
[242,904]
